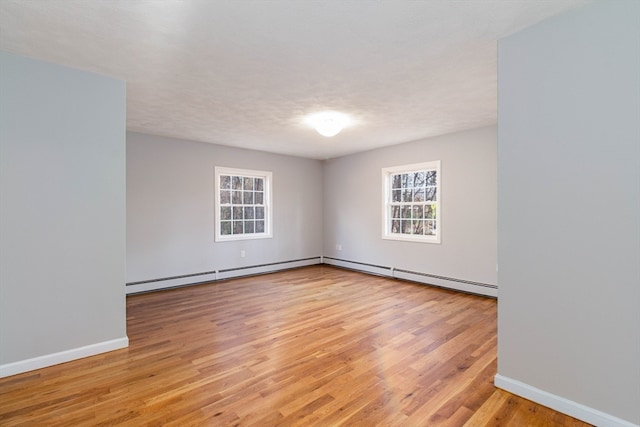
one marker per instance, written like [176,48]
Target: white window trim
[268,183]
[386,202]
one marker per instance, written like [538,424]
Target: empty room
[320,213]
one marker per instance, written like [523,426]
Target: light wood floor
[314,346]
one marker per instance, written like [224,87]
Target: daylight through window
[411,202]
[243,204]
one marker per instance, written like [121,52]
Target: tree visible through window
[243,204]
[411,202]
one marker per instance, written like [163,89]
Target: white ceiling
[244,73]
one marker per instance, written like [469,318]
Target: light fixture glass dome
[328,123]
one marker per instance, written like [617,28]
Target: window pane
[396,195]
[259,212]
[259,198]
[237,227]
[418,195]
[429,227]
[406,212]
[236,183]
[258,184]
[237,212]
[259,228]
[225,227]
[248,183]
[247,197]
[225,212]
[225,197]
[248,227]
[417,211]
[431,178]
[431,194]
[248,213]
[417,226]
[418,179]
[395,211]
[407,195]
[430,212]
[237,198]
[406,226]
[396,181]
[225,181]
[407,180]
[395,226]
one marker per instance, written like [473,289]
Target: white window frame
[387,202]
[268,214]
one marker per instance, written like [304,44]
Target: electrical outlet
[242,254]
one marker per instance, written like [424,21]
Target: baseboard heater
[170,282]
[463,285]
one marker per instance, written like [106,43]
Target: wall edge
[560,404]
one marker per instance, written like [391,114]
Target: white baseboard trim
[560,404]
[21,366]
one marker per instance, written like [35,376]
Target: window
[243,203]
[411,202]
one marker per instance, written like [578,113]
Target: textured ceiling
[244,73]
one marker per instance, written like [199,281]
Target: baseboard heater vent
[171,282]
[463,285]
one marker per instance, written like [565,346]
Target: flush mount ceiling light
[328,123]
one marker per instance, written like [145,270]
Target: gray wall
[170,210]
[353,208]
[569,208]
[62,203]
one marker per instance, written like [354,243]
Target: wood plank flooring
[316,346]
